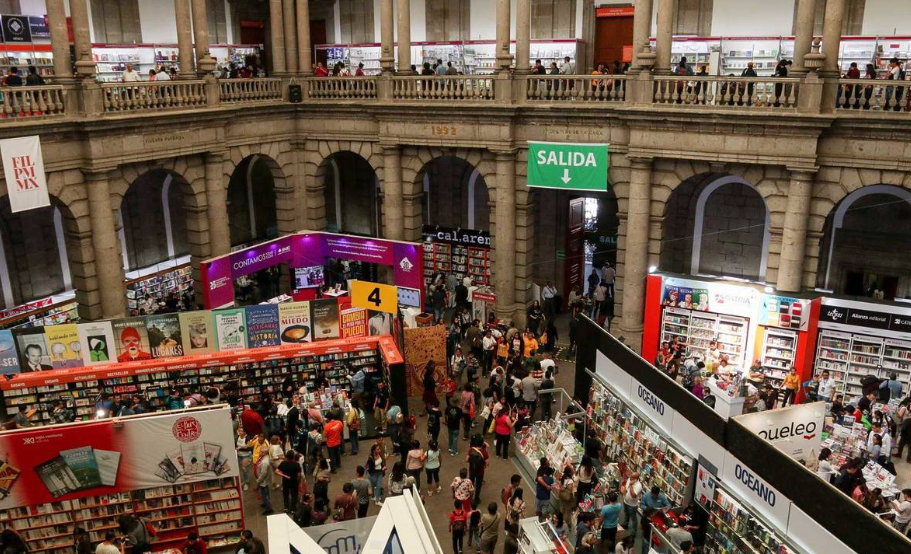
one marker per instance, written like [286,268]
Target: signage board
[774,506]
[466,237]
[652,406]
[567,166]
[848,315]
[613,375]
[23,168]
[784,312]
[795,430]
[709,296]
[374,296]
[16,28]
[39,27]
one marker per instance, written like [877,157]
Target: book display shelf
[733,529]
[250,369]
[849,357]
[213,508]
[159,285]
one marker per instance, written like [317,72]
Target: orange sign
[614,11]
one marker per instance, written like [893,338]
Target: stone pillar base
[631,335]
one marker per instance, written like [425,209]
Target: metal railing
[595,88]
[726,91]
[341,88]
[249,90]
[33,102]
[153,96]
[874,94]
[470,88]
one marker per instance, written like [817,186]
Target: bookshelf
[733,529]
[698,329]
[849,357]
[159,285]
[778,351]
[458,259]
[213,508]
[66,311]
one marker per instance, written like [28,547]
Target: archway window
[455,195]
[252,214]
[352,195]
[153,220]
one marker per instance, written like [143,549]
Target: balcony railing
[341,88]
[597,88]
[739,92]
[249,90]
[470,88]
[33,102]
[876,95]
[153,96]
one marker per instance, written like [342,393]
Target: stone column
[217,202]
[404,29]
[387,36]
[831,36]
[635,263]
[393,194]
[85,65]
[290,22]
[204,62]
[277,37]
[794,236]
[803,34]
[504,58]
[304,50]
[60,42]
[666,9]
[184,39]
[642,29]
[108,259]
[505,235]
[523,37]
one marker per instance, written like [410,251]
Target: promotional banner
[882,319]
[705,487]
[294,322]
[262,325]
[97,342]
[9,358]
[132,339]
[64,346]
[97,458]
[197,330]
[23,167]
[344,537]
[784,312]
[567,166]
[16,28]
[424,344]
[165,339]
[708,296]
[352,323]
[795,430]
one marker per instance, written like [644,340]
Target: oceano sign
[753,483]
[650,399]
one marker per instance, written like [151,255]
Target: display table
[537,537]
[725,405]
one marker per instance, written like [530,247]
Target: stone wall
[358,200]
[732,233]
[448,20]
[553,19]
[356,21]
[32,254]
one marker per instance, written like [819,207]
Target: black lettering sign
[833,314]
[466,237]
[866,318]
[901,323]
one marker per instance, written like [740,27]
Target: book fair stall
[178,471]
[755,496]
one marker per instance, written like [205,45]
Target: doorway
[614,36]
[591,239]
[318,36]
[252,31]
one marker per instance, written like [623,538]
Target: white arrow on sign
[566,178]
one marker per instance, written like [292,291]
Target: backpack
[433,420]
[458,524]
[355,425]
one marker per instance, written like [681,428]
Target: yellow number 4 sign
[373,296]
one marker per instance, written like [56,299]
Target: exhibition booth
[755,495]
[178,470]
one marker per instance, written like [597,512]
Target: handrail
[881,95]
[341,88]
[727,91]
[580,88]
[470,88]
[33,102]
[153,95]
[249,90]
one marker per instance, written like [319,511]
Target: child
[432,466]
[474,524]
[457,522]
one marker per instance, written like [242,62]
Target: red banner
[615,11]
[65,462]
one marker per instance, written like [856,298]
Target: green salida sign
[567,166]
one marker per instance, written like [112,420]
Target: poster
[197,332]
[16,28]
[352,323]
[32,345]
[97,342]
[41,465]
[294,322]
[23,167]
[424,344]
[165,339]
[325,318]
[262,325]
[705,487]
[380,323]
[230,329]
[9,358]
[685,297]
[132,339]
[784,312]
[64,346]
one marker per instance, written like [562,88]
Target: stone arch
[351,190]
[254,186]
[315,171]
[733,241]
[855,255]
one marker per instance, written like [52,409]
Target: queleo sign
[795,430]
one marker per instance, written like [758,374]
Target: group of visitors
[857,96]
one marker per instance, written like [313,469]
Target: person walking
[290,471]
[610,519]
[430,387]
[453,422]
[609,275]
[463,489]
[414,462]
[362,490]
[333,432]
[244,457]
[632,494]
[434,420]
[490,529]
[354,419]
[477,464]
[466,403]
[432,464]
[791,387]
[458,521]
[503,426]
[376,471]
[263,472]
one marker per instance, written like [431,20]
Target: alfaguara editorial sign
[567,166]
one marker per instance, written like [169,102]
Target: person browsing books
[110,545]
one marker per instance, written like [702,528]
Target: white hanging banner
[23,167]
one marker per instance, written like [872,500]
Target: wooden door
[611,35]
[574,264]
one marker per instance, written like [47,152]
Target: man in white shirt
[886,449]
[902,511]
[631,498]
[548,363]
[609,275]
[568,68]
[130,75]
[162,75]
[489,345]
[548,293]
[108,546]
[826,390]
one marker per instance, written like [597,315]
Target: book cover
[167,471]
[352,323]
[176,460]
[164,335]
[132,339]
[380,323]
[262,325]
[230,328]
[108,464]
[9,358]
[8,476]
[81,462]
[197,331]
[213,452]
[33,353]
[294,322]
[97,342]
[57,477]
[194,457]
[325,318]
[64,346]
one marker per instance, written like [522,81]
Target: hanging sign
[16,28]
[23,167]
[374,297]
[567,166]
[795,430]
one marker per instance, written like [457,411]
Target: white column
[277,37]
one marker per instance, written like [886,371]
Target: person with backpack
[355,421]
[274,424]
[477,464]
[489,529]
[453,420]
[458,521]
